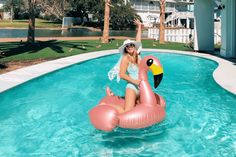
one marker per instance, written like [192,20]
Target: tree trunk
[105,37]
[12,13]
[162,22]
[31,29]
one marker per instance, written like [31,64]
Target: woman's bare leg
[118,108]
[109,92]
[130,98]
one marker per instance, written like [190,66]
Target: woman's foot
[109,92]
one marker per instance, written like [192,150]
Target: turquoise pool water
[48,116]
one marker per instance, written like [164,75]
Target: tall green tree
[122,15]
[84,7]
[55,9]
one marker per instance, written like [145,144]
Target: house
[1,9]
[182,13]
[204,26]
[3,13]
[149,12]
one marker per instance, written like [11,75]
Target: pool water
[48,116]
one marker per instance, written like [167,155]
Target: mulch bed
[10,66]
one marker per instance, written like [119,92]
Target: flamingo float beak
[157,72]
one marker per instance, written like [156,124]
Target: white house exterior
[1,9]
[228,29]
[204,14]
[149,11]
[204,27]
[3,14]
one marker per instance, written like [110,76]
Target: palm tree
[162,21]
[105,36]
[31,30]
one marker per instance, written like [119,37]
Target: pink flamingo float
[150,110]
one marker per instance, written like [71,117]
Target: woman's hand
[137,82]
[139,29]
[137,22]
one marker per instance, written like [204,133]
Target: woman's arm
[139,59]
[123,68]
[139,30]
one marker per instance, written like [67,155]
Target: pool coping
[224,74]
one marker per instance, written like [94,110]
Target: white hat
[137,44]
[114,72]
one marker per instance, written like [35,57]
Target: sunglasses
[129,45]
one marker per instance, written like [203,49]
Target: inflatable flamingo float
[149,111]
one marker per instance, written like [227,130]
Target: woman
[127,69]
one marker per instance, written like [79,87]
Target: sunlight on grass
[39,23]
[52,49]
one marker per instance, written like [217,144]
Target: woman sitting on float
[114,111]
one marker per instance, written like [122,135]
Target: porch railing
[180,35]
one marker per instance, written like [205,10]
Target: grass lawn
[48,50]
[39,23]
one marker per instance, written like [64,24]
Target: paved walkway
[224,75]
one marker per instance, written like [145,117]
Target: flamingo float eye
[149,62]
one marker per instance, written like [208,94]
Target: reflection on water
[75,32]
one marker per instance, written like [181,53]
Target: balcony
[185,1]
[147,8]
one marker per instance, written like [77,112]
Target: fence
[180,35]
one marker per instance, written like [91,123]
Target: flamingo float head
[153,64]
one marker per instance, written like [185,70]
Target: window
[151,5]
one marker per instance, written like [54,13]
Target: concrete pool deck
[224,74]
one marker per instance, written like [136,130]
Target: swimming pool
[48,116]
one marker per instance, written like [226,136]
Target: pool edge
[224,74]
